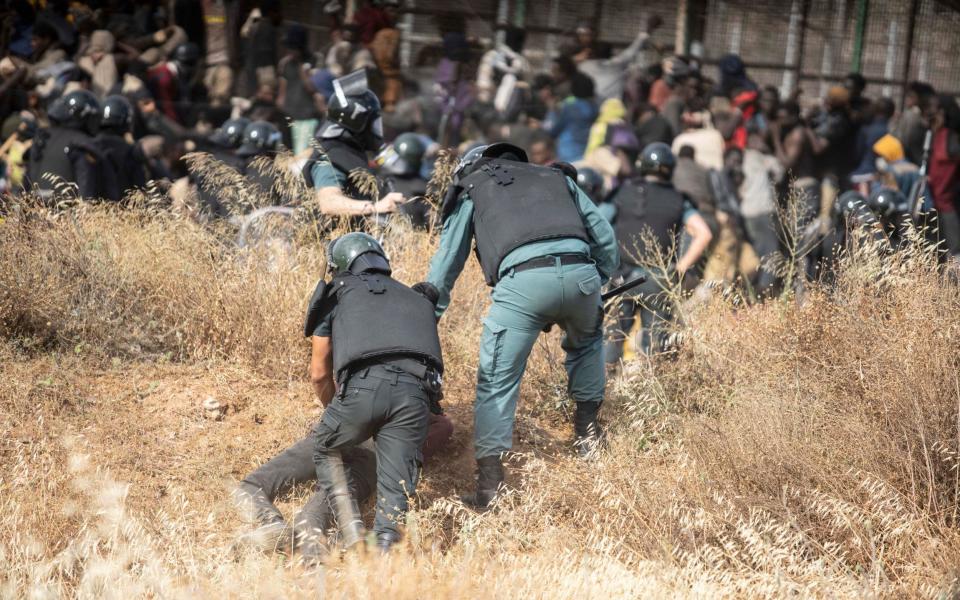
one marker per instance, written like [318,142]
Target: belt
[387,373]
[548,261]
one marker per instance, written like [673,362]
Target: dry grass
[788,448]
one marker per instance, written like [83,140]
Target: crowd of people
[567,180]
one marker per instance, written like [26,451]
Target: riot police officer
[116,121]
[377,365]
[224,142]
[650,215]
[260,138]
[402,163]
[352,128]
[546,251]
[67,149]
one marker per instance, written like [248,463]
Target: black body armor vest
[646,206]
[50,153]
[122,157]
[517,203]
[345,157]
[377,316]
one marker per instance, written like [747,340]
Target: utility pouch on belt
[433,386]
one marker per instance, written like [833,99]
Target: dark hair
[686,151]
[791,106]
[951,111]
[602,51]
[540,81]
[582,86]
[857,79]
[514,38]
[921,89]
[566,65]
[884,107]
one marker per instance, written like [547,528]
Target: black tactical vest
[517,203]
[646,206]
[50,154]
[122,157]
[377,316]
[345,157]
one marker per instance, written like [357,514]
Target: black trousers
[391,406]
[294,466]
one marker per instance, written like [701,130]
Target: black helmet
[506,152]
[851,204]
[884,202]
[590,182]
[468,160]
[356,252]
[405,155]
[77,110]
[259,137]
[230,134]
[186,54]
[116,115]
[657,159]
[359,113]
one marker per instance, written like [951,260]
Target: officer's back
[116,120]
[67,150]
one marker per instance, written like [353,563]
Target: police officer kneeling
[376,340]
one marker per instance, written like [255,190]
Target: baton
[622,288]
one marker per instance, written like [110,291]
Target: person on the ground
[649,218]
[546,251]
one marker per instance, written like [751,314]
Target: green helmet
[405,155]
[356,252]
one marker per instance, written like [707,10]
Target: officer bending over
[376,365]
[546,251]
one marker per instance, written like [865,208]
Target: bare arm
[700,232]
[332,201]
[321,369]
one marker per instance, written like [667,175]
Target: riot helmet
[186,56]
[404,156]
[658,160]
[884,202]
[77,110]
[469,160]
[850,204]
[357,252]
[230,134]
[356,109]
[260,137]
[116,115]
[590,182]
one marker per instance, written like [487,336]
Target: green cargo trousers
[523,304]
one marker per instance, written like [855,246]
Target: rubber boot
[489,479]
[273,533]
[310,527]
[589,435]
[386,540]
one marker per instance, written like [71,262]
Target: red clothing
[747,103]
[659,94]
[369,20]
[943,174]
[165,88]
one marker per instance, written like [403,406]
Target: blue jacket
[570,124]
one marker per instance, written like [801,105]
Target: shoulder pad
[316,309]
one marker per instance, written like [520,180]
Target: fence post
[857,62]
[680,43]
[911,24]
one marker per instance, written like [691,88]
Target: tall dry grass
[787,448]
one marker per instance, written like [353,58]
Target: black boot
[386,540]
[273,533]
[586,428]
[489,479]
